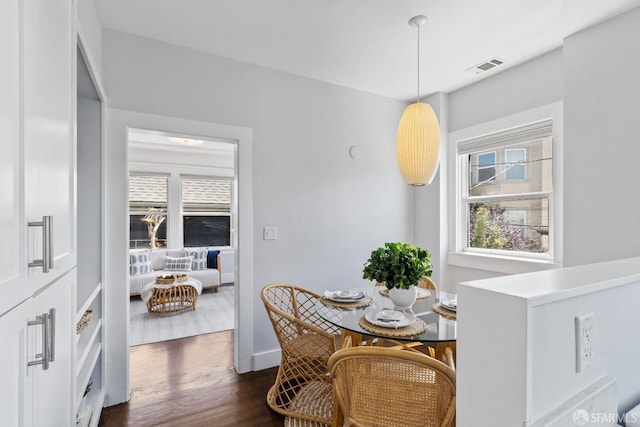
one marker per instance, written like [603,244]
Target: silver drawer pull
[45,357]
[47,244]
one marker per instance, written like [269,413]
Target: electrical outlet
[584,342]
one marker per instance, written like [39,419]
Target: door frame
[116,164]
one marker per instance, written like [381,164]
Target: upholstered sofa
[200,263]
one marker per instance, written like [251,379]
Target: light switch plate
[269,233]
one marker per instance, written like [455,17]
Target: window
[516,160]
[505,203]
[147,211]
[206,211]
[485,167]
[517,220]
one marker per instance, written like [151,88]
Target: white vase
[403,298]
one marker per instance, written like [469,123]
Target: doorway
[182,200]
[116,246]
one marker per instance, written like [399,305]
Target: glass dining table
[440,329]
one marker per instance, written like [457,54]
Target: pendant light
[418,138]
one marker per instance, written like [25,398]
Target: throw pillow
[178,264]
[199,256]
[212,259]
[140,262]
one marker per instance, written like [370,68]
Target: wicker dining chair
[380,387]
[427,283]
[302,389]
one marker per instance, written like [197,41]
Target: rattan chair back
[303,387]
[382,387]
[427,283]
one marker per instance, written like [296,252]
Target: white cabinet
[12,223]
[37,168]
[48,90]
[51,387]
[15,407]
[32,393]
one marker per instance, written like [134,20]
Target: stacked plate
[451,304]
[344,296]
[390,318]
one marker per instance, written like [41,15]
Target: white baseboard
[267,359]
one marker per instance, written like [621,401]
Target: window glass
[521,168]
[485,167]
[147,211]
[204,230]
[505,203]
[206,211]
[515,159]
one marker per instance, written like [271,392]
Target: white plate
[342,296]
[389,315]
[422,293]
[382,318]
[449,304]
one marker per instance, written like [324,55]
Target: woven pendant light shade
[418,144]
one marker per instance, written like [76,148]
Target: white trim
[83,46]
[265,360]
[498,263]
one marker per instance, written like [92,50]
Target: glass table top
[439,328]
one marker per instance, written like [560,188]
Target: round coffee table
[174,298]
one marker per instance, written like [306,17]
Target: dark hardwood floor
[191,382]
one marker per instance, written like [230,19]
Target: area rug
[213,313]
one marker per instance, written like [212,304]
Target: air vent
[486,65]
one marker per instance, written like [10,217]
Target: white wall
[602,147]
[330,210]
[89,171]
[430,202]
[520,89]
[90,32]
[531,84]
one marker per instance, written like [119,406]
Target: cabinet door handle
[44,357]
[51,323]
[47,244]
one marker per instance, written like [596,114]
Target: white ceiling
[365,44]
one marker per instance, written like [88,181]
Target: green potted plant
[400,267]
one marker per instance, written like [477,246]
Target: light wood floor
[191,382]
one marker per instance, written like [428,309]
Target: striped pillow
[140,262]
[178,264]
[199,256]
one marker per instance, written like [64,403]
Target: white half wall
[517,346]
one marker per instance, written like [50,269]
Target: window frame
[503,261]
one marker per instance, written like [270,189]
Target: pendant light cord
[418,92]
